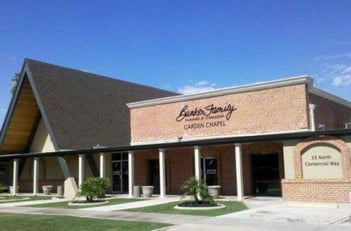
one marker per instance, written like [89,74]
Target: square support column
[197,159]
[15,176]
[239,173]
[102,165]
[81,169]
[35,176]
[130,173]
[162,173]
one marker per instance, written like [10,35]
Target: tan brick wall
[329,113]
[271,110]
[322,190]
[317,190]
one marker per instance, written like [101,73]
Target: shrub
[3,188]
[198,190]
[94,187]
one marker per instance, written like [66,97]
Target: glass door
[119,172]
[116,176]
[209,170]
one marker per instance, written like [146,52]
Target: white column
[15,176]
[197,158]
[81,169]
[162,173]
[312,121]
[239,172]
[36,176]
[102,165]
[130,173]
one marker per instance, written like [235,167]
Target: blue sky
[181,45]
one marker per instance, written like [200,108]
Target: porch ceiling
[22,121]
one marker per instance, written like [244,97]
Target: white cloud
[201,86]
[347,70]
[335,67]
[337,81]
[331,57]
[343,80]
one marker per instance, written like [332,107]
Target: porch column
[130,173]
[15,176]
[197,158]
[102,164]
[81,169]
[35,176]
[162,173]
[239,172]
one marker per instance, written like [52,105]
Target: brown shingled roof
[83,109]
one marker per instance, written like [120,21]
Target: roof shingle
[85,109]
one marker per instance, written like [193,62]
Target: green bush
[3,188]
[94,187]
[198,190]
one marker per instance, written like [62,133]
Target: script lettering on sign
[197,116]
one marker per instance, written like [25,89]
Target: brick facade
[256,112]
[329,113]
[180,165]
[321,190]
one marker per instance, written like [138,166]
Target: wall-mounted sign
[205,117]
[321,162]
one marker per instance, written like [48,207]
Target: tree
[15,80]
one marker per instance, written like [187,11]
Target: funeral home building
[282,138]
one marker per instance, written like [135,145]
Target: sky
[182,45]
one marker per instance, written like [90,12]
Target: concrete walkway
[264,214]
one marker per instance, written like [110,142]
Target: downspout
[312,121]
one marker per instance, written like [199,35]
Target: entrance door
[209,170]
[265,174]
[3,174]
[154,175]
[119,173]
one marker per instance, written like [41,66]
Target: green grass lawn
[60,223]
[231,207]
[64,204]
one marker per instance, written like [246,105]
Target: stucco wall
[288,152]
[42,140]
[264,111]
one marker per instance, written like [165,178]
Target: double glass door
[120,173]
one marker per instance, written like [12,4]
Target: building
[284,138]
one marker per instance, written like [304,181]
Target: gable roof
[79,109]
